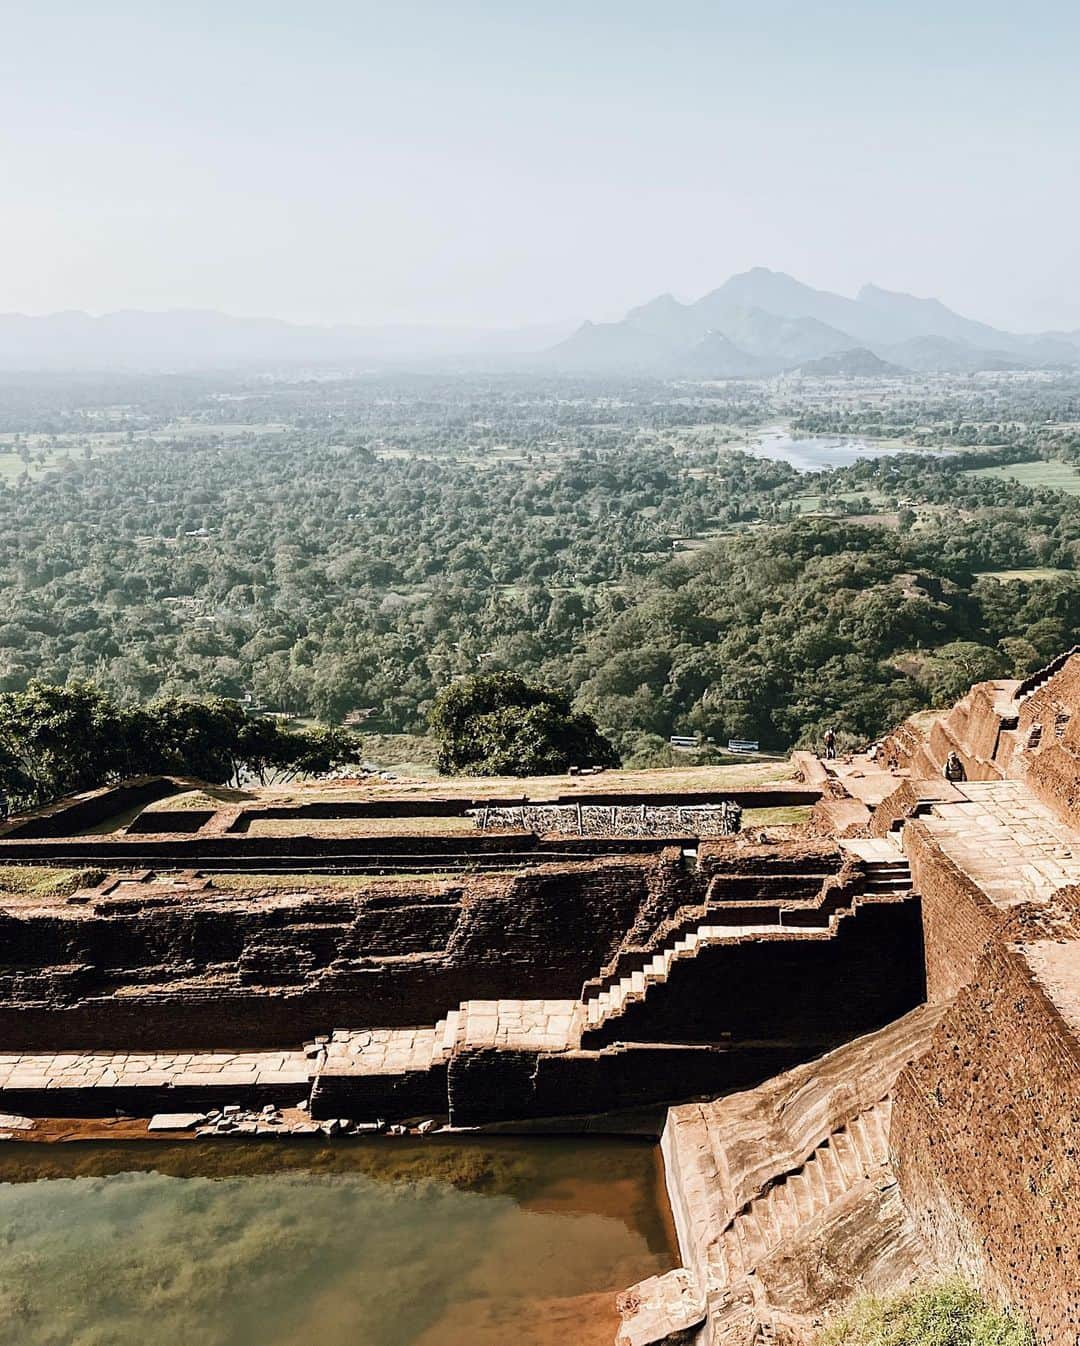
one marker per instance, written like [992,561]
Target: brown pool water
[493,1242]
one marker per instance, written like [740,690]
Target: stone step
[875,1123]
[862,1143]
[438,1049]
[734,1258]
[851,1165]
[833,1175]
[786,1208]
[450,1031]
[802,1197]
[772,1212]
[752,1241]
[816,1185]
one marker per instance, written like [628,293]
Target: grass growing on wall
[950,1314]
[39,883]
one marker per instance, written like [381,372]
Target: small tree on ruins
[500,725]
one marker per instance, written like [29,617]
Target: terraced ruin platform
[869,1025]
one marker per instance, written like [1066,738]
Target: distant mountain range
[186,339]
[756,325]
[763,322]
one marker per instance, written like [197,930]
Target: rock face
[784,1197]
[983,1120]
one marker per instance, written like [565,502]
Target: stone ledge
[661,1311]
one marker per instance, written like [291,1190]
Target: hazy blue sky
[515,162]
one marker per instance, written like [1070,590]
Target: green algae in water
[379,1244]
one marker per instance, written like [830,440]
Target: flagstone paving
[143,1070]
[1007,841]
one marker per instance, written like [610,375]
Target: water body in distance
[380,1243]
[819,453]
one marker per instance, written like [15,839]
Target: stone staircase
[610,1003]
[414,1070]
[850,1155]
[883,877]
[887,874]
[1036,681]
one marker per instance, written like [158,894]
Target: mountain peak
[763,320]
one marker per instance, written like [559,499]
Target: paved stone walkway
[1007,841]
[143,1070]
[478,1025]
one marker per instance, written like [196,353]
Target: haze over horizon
[527,164]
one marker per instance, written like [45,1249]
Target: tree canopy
[358,544]
[500,725]
[61,740]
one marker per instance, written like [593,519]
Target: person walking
[830,745]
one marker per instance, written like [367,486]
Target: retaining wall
[985,1134]
[215,969]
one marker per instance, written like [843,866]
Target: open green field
[46,456]
[1042,475]
[1028,576]
[49,453]
[813,501]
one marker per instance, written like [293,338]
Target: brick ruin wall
[1053,771]
[68,816]
[985,1131]
[986,1124]
[220,969]
[985,1137]
[809,991]
[958,918]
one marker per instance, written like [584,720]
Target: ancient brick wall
[985,1135]
[732,858]
[958,918]
[69,816]
[217,969]
[254,853]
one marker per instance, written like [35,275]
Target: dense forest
[327,546]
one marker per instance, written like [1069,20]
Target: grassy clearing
[951,1314]
[360,827]
[779,817]
[46,457]
[408,754]
[1025,576]
[199,800]
[38,883]
[744,773]
[329,883]
[1044,475]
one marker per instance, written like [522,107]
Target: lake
[819,453]
[386,1242]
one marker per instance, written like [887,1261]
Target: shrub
[949,1314]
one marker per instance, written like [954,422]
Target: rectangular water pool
[388,1242]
